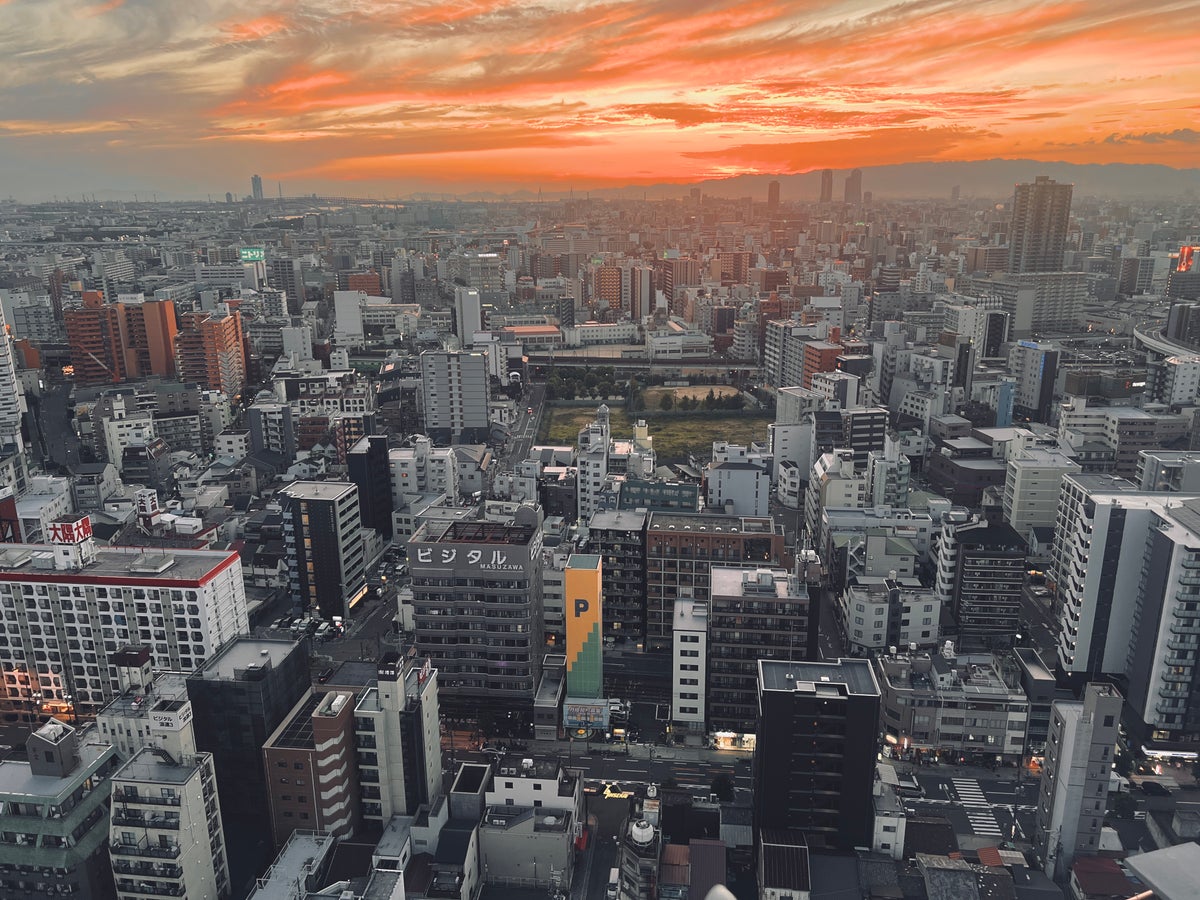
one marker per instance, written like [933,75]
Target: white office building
[689,665]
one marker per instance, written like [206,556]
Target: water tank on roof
[642,833]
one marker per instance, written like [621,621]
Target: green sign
[253,254]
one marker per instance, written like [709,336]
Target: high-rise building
[165,837]
[753,614]
[1035,368]
[239,697]
[209,351]
[316,739]
[689,666]
[256,188]
[619,538]
[368,467]
[12,398]
[326,555]
[852,192]
[1076,770]
[454,393]
[468,314]
[981,576]
[396,724]
[772,195]
[1183,278]
[826,186]
[149,336]
[681,548]
[582,586]
[1041,214]
[181,604]
[484,636]
[1123,560]
[96,338]
[56,815]
[817,743]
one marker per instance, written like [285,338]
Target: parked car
[325,676]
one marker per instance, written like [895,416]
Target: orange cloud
[624,90]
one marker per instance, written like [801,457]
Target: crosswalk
[977,807]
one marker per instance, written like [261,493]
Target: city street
[1038,613]
[524,432]
[976,802]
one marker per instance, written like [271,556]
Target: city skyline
[386,99]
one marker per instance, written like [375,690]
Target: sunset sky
[366,97]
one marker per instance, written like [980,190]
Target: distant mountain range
[991,178]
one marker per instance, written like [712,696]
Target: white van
[614,876]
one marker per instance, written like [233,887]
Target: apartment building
[311,767]
[56,816]
[618,537]
[323,533]
[398,739]
[754,614]
[69,607]
[816,778]
[681,548]
[165,833]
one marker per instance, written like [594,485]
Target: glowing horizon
[392,97]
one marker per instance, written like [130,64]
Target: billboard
[70,530]
[585,714]
[585,637]
[252,254]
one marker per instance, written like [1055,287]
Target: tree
[711,399]
[667,402]
[722,786]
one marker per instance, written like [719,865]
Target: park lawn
[696,392]
[674,438]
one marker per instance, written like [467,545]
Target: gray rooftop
[156,766]
[1170,872]
[242,652]
[117,564]
[618,520]
[318,490]
[18,783]
[783,675]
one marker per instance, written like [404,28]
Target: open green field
[674,437]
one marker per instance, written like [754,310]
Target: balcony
[145,849]
[149,888]
[125,796]
[147,870]
[138,819]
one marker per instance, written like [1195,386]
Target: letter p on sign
[581,606]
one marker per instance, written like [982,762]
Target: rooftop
[583,561]
[296,732]
[618,520]
[476,533]
[116,565]
[241,653]
[304,853]
[167,693]
[782,675]
[672,521]
[17,781]
[156,766]
[784,860]
[318,490]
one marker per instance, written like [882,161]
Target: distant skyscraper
[1038,233]
[826,186]
[853,190]
[955,192]
[256,187]
[773,195]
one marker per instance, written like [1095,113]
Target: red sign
[71,532]
[1186,257]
